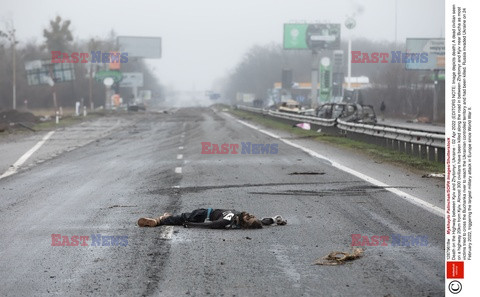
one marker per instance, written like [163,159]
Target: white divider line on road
[179,156]
[410,198]
[167,232]
[14,168]
[178,169]
[180,147]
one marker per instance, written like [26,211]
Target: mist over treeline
[406,93]
[57,36]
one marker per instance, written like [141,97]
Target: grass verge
[376,152]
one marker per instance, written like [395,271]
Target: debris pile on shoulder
[10,118]
[339,258]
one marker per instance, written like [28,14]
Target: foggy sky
[205,39]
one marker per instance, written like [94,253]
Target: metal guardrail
[290,116]
[401,134]
[307,119]
[425,144]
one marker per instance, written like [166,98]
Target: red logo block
[454,269]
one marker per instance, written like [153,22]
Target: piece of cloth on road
[334,259]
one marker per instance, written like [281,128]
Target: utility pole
[90,95]
[10,35]
[435,96]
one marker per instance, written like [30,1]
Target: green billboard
[311,36]
[294,36]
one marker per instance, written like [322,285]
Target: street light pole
[314,92]
[349,54]
[350,24]
[14,71]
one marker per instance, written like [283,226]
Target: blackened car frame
[349,112]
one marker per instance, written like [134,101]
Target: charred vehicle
[349,112]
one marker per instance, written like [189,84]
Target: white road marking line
[13,169]
[410,198]
[180,147]
[167,232]
[179,156]
[178,170]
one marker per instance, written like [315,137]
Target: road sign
[132,79]
[114,63]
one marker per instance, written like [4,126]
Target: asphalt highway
[153,163]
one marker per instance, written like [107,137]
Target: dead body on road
[213,219]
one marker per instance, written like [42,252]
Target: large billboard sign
[433,47]
[132,80]
[311,36]
[141,47]
[294,36]
[43,72]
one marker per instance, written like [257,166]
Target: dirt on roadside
[15,117]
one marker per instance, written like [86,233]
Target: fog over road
[152,163]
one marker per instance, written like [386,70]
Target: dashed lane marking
[178,170]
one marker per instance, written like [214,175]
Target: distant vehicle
[290,106]
[349,112]
[136,106]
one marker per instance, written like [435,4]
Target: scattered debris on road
[307,173]
[276,219]
[333,258]
[116,205]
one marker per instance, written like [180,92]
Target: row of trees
[405,92]
[58,37]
